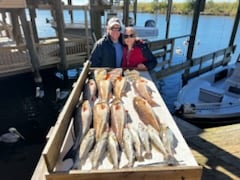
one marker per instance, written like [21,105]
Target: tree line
[210,8]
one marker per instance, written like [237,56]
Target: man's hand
[141,67]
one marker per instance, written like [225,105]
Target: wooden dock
[217,149]
[16,59]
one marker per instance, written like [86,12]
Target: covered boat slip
[50,165]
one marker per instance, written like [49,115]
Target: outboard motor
[150,23]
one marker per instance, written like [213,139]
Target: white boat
[71,30]
[80,29]
[213,98]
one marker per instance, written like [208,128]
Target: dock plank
[216,149]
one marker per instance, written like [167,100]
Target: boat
[212,99]
[71,30]
[76,29]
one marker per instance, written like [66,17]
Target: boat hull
[206,100]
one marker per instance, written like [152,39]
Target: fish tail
[116,100]
[128,165]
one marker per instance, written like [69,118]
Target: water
[213,34]
[33,117]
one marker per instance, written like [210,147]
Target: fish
[141,88]
[113,148]
[114,73]
[104,87]
[136,142]
[128,147]
[120,85]
[157,142]
[118,120]
[82,122]
[90,91]
[77,123]
[99,74]
[146,113]
[144,137]
[169,142]
[131,75]
[99,150]
[86,116]
[85,147]
[101,113]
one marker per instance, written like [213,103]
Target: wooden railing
[16,59]
[164,49]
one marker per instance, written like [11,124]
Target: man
[107,51]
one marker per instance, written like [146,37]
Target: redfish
[118,120]
[119,87]
[100,118]
[90,91]
[146,113]
[104,89]
[143,90]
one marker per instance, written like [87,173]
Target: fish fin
[152,103]
[171,160]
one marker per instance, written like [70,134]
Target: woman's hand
[141,67]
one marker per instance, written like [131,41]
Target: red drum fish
[104,89]
[86,116]
[118,120]
[90,91]
[141,88]
[119,87]
[146,113]
[100,118]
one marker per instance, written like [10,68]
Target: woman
[136,53]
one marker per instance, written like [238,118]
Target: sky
[77,2]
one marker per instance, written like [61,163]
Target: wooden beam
[31,46]
[58,12]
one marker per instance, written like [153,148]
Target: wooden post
[168,17]
[70,10]
[57,8]
[96,23]
[197,9]
[235,27]
[32,14]
[135,12]
[31,46]
[7,31]
[126,12]
[16,26]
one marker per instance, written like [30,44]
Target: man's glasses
[115,29]
[129,36]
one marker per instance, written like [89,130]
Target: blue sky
[75,2]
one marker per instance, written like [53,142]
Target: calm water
[33,117]
[213,34]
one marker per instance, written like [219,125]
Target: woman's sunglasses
[129,36]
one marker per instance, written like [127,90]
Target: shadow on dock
[215,149]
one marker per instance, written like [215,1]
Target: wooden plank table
[53,151]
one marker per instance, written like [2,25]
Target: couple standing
[116,49]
